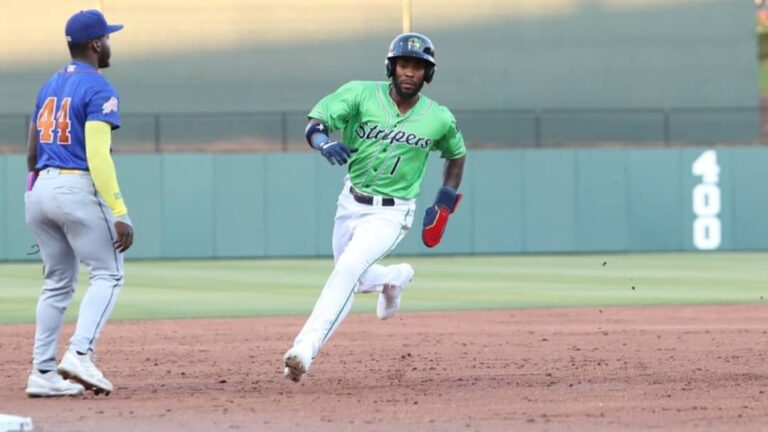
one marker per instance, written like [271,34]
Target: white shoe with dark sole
[80,368]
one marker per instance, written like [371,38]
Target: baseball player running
[388,130]
[74,208]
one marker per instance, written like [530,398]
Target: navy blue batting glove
[336,152]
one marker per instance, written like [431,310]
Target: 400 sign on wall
[707,229]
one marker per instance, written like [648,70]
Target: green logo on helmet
[414,44]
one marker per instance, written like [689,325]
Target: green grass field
[192,289]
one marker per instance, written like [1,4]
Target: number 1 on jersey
[48,119]
[394,167]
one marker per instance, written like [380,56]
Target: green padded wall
[516,201]
[749,209]
[188,200]
[655,204]
[601,200]
[240,219]
[15,238]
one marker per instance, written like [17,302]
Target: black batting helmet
[412,45]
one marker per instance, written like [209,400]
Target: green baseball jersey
[392,148]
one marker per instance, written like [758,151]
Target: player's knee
[110,279]
[58,281]
[353,263]
[59,287]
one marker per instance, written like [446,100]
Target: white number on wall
[707,231]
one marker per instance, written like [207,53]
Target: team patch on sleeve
[110,106]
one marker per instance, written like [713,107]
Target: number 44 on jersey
[49,120]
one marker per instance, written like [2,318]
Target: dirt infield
[611,369]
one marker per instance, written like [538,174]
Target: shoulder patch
[110,106]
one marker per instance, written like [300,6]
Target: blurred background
[585,119]
[196,75]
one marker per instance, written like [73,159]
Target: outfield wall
[516,201]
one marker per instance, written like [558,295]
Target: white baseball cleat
[389,299]
[297,361]
[80,368]
[51,384]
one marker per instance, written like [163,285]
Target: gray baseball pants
[72,224]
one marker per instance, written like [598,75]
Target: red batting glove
[436,216]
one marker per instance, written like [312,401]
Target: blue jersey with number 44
[74,95]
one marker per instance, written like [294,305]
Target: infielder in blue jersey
[74,208]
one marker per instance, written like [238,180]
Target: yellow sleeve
[98,141]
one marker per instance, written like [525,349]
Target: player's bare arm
[452,172]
